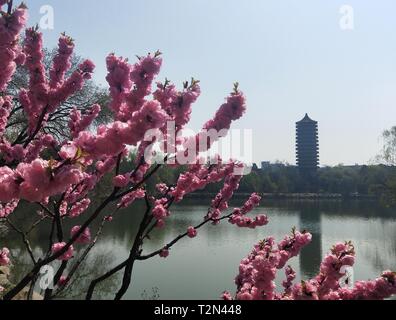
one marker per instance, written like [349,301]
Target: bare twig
[81,259]
[24,239]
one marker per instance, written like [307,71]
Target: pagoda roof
[306,119]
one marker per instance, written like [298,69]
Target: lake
[202,268]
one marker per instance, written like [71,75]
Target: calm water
[202,268]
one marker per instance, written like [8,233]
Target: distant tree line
[344,180]
[350,181]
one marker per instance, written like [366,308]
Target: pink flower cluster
[290,277]
[247,222]
[129,85]
[35,147]
[142,76]
[178,105]
[5,109]
[240,219]
[80,191]
[78,208]
[119,80]
[232,110]
[56,247]
[215,128]
[17,153]
[111,139]
[291,245]
[36,180]
[84,237]
[198,177]
[378,289]
[62,61]
[160,211]
[220,202]
[122,180]
[43,96]
[10,52]
[162,188]
[4,257]
[129,198]
[8,208]
[191,232]
[79,123]
[164,253]
[63,280]
[342,254]
[257,272]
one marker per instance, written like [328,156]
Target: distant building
[307,144]
[265,164]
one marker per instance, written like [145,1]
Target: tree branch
[24,239]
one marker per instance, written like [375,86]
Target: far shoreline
[289,196]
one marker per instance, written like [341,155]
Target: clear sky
[290,57]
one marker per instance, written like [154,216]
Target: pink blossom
[162,188]
[257,272]
[164,253]
[37,180]
[348,260]
[119,81]
[111,139]
[160,211]
[56,247]
[4,257]
[5,109]
[10,28]
[192,232]
[8,184]
[80,122]
[130,197]
[226,296]
[77,209]
[232,110]
[238,218]
[68,151]
[290,276]
[178,104]
[142,76]
[106,165]
[63,208]
[62,61]
[35,147]
[84,237]
[121,181]
[8,208]
[305,291]
[63,280]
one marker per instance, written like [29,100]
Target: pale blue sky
[290,57]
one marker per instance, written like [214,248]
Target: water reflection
[204,267]
[310,257]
